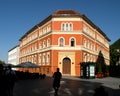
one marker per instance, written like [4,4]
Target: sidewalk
[111,84]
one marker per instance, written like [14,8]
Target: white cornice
[67,19]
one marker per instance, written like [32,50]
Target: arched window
[85,43]
[44,44]
[40,59]
[70,26]
[48,42]
[63,27]
[48,58]
[61,42]
[66,27]
[72,42]
[48,28]
[40,45]
[85,57]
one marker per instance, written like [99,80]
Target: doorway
[66,66]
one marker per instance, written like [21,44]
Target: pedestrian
[10,80]
[56,82]
[2,81]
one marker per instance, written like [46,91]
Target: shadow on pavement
[43,87]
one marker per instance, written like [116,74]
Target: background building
[63,39]
[13,55]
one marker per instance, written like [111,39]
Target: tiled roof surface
[66,12]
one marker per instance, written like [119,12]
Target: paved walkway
[110,82]
[70,86]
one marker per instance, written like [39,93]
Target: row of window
[29,49]
[91,58]
[42,31]
[61,42]
[89,31]
[92,46]
[46,43]
[88,44]
[66,27]
[88,57]
[32,58]
[35,35]
[98,37]
[43,59]
[29,38]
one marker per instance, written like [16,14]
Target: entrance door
[66,66]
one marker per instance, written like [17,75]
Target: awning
[27,65]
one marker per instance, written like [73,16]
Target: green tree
[2,62]
[114,69]
[113,56]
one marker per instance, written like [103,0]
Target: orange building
[63,39]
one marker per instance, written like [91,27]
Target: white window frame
[60,41]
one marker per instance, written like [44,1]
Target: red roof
[66,12]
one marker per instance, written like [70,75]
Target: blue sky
[19,16]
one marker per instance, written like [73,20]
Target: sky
[19,16]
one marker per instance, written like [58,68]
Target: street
[70,86]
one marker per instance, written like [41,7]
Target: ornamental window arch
[48,42]
[70,26]
[61,41]
[85,43]
[72,41]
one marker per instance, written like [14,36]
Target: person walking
[56,82]
[2,81]
[11,78]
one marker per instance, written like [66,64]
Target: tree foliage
[113,56]
[116,44]
[2,62]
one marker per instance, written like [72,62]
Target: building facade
[63,39]
[13,55]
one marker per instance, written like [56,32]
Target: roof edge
[36,26]
[59,13]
